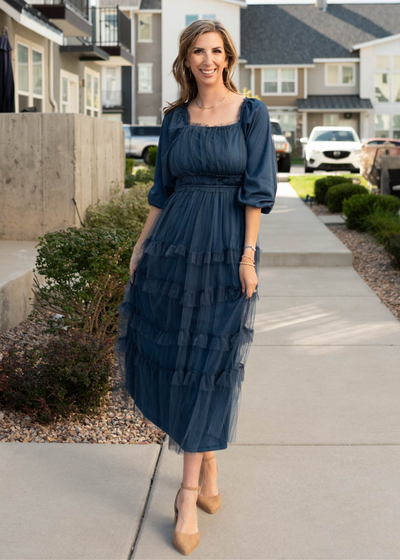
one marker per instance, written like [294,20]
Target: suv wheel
[306,168]
[285,166]
[145,156]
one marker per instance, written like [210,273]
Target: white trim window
[190,18]
[340,74]
[396,78]
[29,77]
[381,79]
[69,92]
[382,125]
[396,127]
[331,119]
[145,28]
[279,81]
[145,77]
[92,96]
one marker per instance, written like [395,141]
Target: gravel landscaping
[371,261]
[114,424]
[117,424]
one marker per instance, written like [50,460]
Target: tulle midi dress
[185,327]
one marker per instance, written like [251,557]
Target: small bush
[152,155]
[141,176]
[321,186]
[71,373]
[338,193]
[382,224]
[144,175]
[129,181]
[129,163]
[127,211]
[86,271]
[358,208]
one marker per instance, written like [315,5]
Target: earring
[225,82]
[190,70]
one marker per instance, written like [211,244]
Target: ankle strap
[190,487]
[209,459]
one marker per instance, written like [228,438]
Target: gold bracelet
[248,256]
[249,264]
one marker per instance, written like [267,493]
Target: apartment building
[59,49]
[324,64]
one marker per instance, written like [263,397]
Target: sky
[329,2]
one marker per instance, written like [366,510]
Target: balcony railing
[111,27]
[80,6]
[112,98]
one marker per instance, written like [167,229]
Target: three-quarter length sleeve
[161,189]
[260,178]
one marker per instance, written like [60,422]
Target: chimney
[321,4]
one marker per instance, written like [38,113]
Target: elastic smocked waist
[209,180]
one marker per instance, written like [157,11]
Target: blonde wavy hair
[187,41]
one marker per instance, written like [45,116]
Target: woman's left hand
[248,279]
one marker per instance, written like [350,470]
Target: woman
[186,322]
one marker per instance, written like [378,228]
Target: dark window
[276,128]
[145,130]
[334,136]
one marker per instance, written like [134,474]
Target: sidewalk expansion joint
[145,505]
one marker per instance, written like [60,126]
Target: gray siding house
[302,61]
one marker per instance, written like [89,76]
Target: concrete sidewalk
[314,471]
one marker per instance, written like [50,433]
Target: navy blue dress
[185,328]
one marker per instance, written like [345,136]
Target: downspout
[51,75]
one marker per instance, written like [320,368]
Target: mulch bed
[371,260]
[114,424]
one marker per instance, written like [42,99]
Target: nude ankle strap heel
[184,543]
[212,503]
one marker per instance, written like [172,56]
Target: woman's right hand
[135,258]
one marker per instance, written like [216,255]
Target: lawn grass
[304,184]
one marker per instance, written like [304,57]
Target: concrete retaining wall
[46,161]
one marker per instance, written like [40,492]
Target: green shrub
[321,186]
[127,211]
[129,181]
[338,193]
[129,163]
[357,208]
[382,224]
[71,373]
[86,271]
[141,176]
[152,155]
[144,175]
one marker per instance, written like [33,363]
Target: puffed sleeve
[260,178]
[163,181]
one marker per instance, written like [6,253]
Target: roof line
[376,41]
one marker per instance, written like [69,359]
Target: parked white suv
[331,148]
[139,138]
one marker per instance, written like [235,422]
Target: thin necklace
[213,105]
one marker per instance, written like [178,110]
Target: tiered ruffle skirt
[185,327]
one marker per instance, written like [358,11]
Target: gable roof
[296,34]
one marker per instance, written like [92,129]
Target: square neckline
[238,117]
